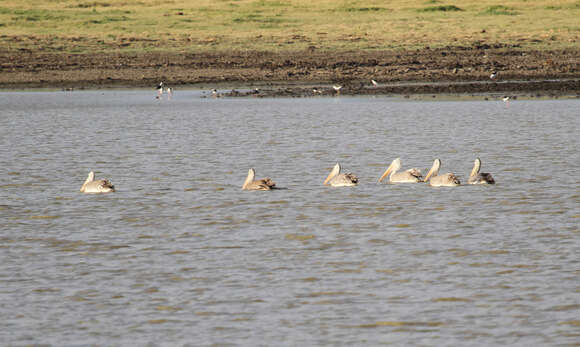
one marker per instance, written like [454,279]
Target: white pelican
[445,180]
[98,186]
[263,184]
[409,176]
[337,179]
[475,177]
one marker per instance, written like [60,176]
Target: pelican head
[475,177]
[251,184]
[98,186]
[333,173]
[434,171]
[394,167]
[436,180]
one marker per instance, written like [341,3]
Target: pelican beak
[389,169]
[328,178]
[429,174]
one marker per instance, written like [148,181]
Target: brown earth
[443,70]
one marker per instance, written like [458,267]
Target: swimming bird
[475,177]
[409,176]
[445,180]
[98,186]
[337,179]
[263,184]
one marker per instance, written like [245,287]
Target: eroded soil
[444,70]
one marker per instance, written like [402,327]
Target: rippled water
[179,255]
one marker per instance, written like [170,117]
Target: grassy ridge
[278,25]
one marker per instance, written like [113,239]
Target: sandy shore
[445,70]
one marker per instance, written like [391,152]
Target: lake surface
[181,256]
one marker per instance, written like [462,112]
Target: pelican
[445,180]
[408,176]
[337,179]
[263,184]
[475,177]
[98,186]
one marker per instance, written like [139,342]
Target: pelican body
[445,180]
[337,179]
[409,176]
[263,184]
[99,186]
[475,177]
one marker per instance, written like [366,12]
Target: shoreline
[449,70]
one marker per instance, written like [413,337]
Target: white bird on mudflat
[493,75]
[337,88]
[375,83]
[506,98]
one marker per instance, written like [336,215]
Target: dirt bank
[410,71]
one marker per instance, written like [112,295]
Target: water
[179,255]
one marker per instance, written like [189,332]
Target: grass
[273,25]
[499,10]
[442,8]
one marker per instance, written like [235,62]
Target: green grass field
[275,25]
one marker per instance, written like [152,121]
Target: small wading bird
[337,179]
[159,89]
[375,83]
[493,75]
[475,177]
[409,176]
[337,88]
[99,186]
[506,99]
[445,180]
[263,184]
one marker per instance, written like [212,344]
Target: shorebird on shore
[493,75]
[375,83]
[506,98]
[445,180]
[337,88]
[159,89]
[337,179]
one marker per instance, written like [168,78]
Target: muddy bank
[444,70]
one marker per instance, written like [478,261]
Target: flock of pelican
[338,179]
